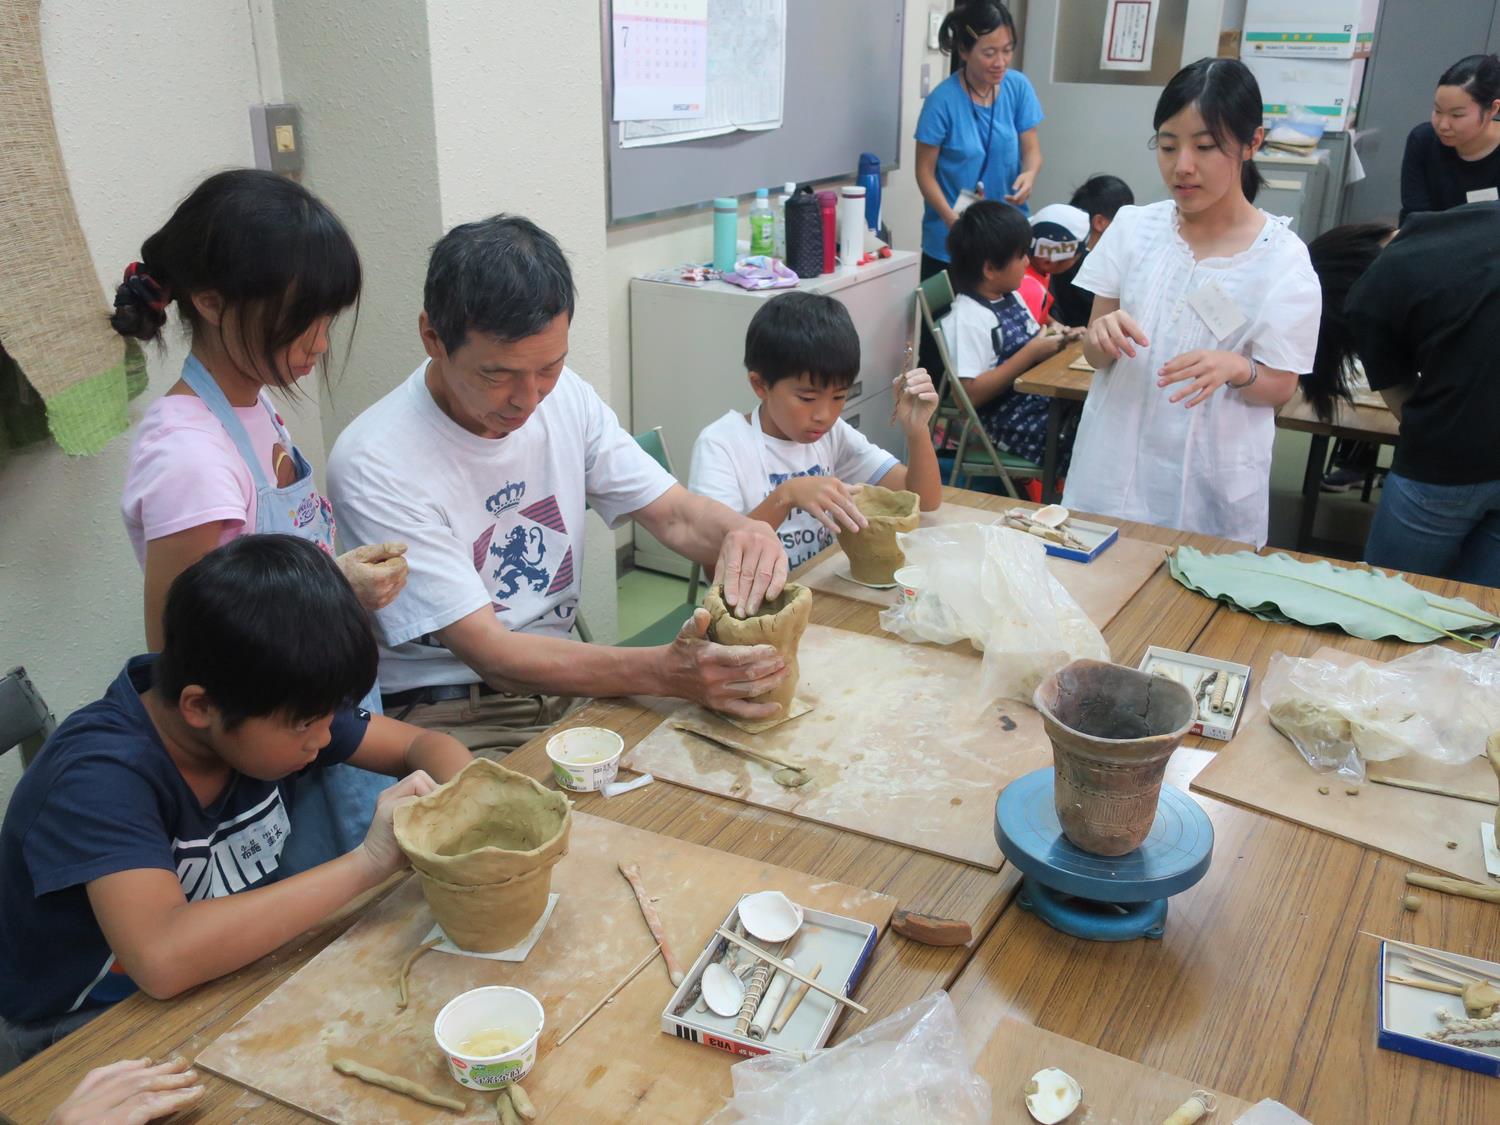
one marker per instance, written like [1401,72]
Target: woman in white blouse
[1205,313]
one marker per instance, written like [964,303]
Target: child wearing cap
[1100,197]
[1058,233]
[992,336]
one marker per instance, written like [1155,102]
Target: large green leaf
[1363,603]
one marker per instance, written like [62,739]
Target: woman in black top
[1427,303]
[1455,157]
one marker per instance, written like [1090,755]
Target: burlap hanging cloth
[53,321]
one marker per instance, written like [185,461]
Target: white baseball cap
[1057,231]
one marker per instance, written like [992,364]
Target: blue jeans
[1445,530]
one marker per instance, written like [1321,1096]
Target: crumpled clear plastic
[990,585]
[1435,703]
[1270,1112]
[911,1066]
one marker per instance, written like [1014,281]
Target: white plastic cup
[508,1009]
[910,580]
[585,758]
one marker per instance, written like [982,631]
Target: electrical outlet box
[926,79]
[276,133]
[934,25]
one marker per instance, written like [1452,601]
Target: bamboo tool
[610,995]
[1461,887]
[906,367]
[771,959]
[1429,787]
[1429,955]
[760,978]
[766,1009]
[793,1001]
[632,875]
[786,775]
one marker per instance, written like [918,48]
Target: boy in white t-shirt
[792,461]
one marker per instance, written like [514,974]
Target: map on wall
[745,75]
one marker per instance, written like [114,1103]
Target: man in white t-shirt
[483,462]
[793,461]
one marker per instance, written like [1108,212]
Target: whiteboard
[842,97]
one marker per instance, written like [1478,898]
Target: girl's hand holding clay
[1115,334]
[380,847]
[130,1092]
[721,677]
[377,572]
[1203,372]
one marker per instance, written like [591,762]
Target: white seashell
[1053,515]
[1052,1095]
[722,990]
[770,916]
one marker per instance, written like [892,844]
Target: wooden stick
[610,995]
[770,959]
[1439,790]
[653,922]
[1429,985]
[406,965]
[396,1084]
[1460,887]
[794,999]
[1427,954]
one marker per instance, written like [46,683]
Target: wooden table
[1162,612]
[1263,985]
[1056,381]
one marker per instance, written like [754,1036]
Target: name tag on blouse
[965,197]
[1483,195]
[1216,309]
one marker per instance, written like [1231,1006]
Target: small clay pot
[780,624]
[874,553]
[1112,730]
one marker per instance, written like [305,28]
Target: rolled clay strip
[632,874]
[793,1000]
[1195,1108]
[396,1084]
[770,1002]
[1453,886]
[505,1107]
[519,1099]
[402,998]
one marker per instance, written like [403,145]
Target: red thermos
[828,206]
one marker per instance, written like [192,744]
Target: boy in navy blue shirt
[140,849]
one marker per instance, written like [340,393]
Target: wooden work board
[1116,1091]
[1262,769]
[343,1001]
[1101,588]
[897,744]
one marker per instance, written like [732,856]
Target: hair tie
[144,288]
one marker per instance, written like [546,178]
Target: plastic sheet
[1435,703]
[1269,1112]
[990,585]
[911,1066]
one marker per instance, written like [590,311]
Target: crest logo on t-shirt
[506,499]
[529,560]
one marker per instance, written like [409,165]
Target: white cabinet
[687,360]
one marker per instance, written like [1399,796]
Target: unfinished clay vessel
[484,845]
[1112,730]
[780,624]
[874,554]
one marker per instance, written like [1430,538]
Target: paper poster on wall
[660,59]
[746,76]
[1129,35]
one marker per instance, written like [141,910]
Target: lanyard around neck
[979,124]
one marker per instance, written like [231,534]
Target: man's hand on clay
[380,847]
[130,1092]
[722,677]
[751,567]
[376,571]
[828,500]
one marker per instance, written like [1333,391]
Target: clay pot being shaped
[780,624]
[874,553]
[484,845]
[1112,730]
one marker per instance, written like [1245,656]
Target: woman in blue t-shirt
[976,136]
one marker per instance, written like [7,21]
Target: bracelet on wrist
[1254,374]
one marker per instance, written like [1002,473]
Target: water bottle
[869,179]
[828,205]
[851,224]
[762,234]
[804,234]
[778,218]
[726,224]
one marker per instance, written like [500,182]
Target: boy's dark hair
[968,23]
[1340,258]
[266,624]
[988,231]
[1102,195]
[271,248]
[1478,75]
[1228,98]
[803,333]
[503,276]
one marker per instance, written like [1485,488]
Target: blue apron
[331,808]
